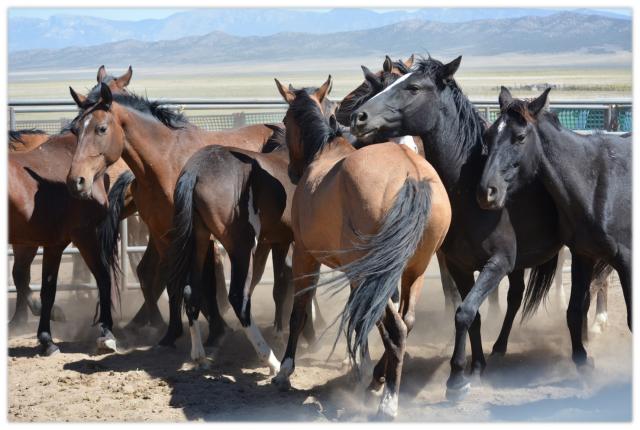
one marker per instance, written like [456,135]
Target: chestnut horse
[156,143]
[377,214]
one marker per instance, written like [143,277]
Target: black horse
[428,102]
[589,180]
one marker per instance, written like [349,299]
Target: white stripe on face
[392,85]
[501,125]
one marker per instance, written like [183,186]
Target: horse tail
[376,274]
[108,229]
[182,247]
[538,286]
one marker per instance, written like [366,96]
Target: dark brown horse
[156,143]
[377,214]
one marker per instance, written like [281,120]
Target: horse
[429,103]
[27,139]
[37,203]
[155,142]
[528,143]
[376,214]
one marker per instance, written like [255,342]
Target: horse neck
[147,143]
[457,166]
[558,149]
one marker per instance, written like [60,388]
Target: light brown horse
[26,140]
[156,143]
[377,214]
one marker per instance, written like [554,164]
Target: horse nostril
[80,183]
[492,193]
[362,116]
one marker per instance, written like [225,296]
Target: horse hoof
[49,350]
[457,394]
[106,344]
[586,366]
[283,384]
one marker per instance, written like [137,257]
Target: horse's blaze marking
[393,85]
[501,125]
[85,125]
[407,141]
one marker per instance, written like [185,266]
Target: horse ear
[124,80]
[372,78]
[504,98]
[387,66]
[286,93]
[324,90]
[78,98]
[106,98]
[409,61]
[537,105]
[448,70]
[102,73]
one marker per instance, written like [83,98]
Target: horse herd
[402,168]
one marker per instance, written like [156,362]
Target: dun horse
[429,103]
[527,143]
[377,214]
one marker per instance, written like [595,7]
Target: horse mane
[314,127]
[165,115]
[16,135]
[364,92]
[521,108]
[278,139]
[471,125]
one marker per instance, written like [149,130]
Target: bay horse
[27,139]
[37,204]
[376,214]
[156,143]
[528,143]
[429,103]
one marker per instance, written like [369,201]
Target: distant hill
[62,31]
[557,33]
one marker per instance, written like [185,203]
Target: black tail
[377,273]
[108,230]
[183,242]
[538,286]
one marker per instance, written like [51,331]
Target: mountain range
[61,31]
[556,33]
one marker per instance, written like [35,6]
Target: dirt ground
[535,381]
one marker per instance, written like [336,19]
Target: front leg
[305,274]
[467,319]
[581,273]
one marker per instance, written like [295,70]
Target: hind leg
[88,246]
[210,286]
[151,287]
[22,258]
[600,286]
[581,272]
[451,295]
[561,295]
[281,286]
[514,300]
[50,266]
[221,285]
[305,274]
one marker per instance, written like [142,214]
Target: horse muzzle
[491,197]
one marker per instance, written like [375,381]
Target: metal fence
[585,115]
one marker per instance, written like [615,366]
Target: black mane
[314,127]
[471,125]
[17,134]
[521,108]
[165,115]
[364,92]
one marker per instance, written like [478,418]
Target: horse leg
[281,285]
[514,300]
[50,265]
[88,246]
[210,286]
[305,274]
[451,296]
[394,332]
[151,288]
[581,272]
[623,267]
[174,329]
[467,319]
[494,304]
[241,256]
[22,258]
[221,285]
[600,286]
[562,297]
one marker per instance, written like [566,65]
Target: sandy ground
[535,381]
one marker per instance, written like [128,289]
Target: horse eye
[102,129]
[413,89]
[520,138]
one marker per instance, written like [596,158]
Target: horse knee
[464,317]
[409,320]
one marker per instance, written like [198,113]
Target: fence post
[239,120]
[608,125]
[12,118]
[124,244]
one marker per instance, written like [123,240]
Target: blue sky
[136,14]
